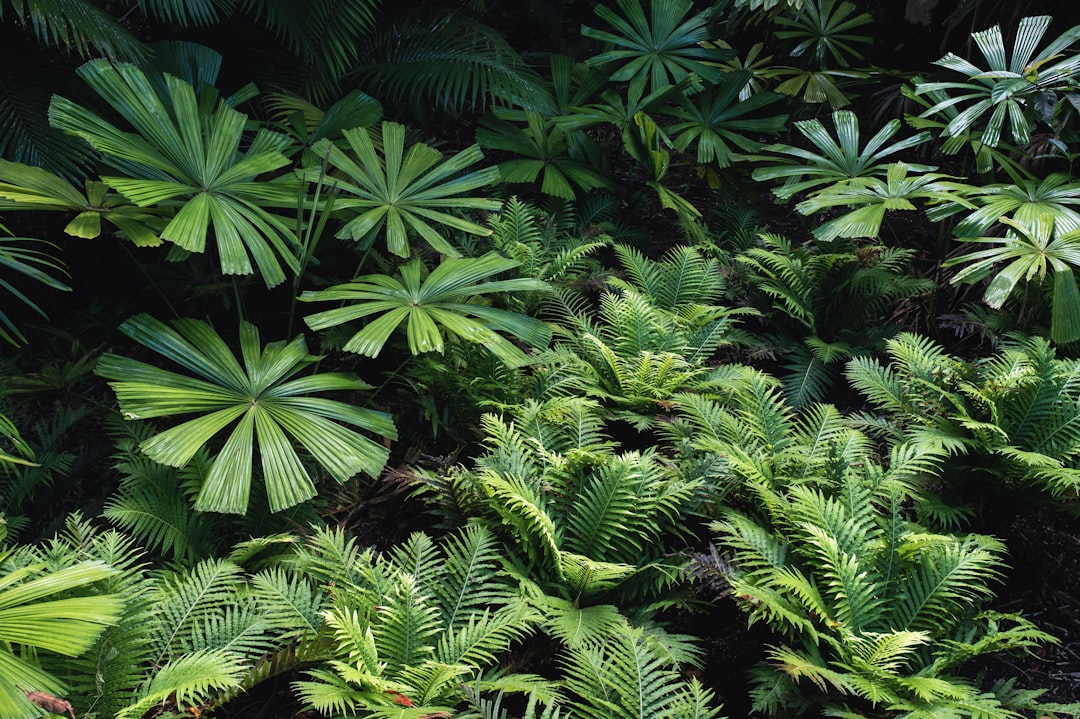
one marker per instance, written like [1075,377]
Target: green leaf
[271,408]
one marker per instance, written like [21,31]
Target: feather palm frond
[453,63]
[78,26]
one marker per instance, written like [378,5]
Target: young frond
[406,625]
[420,559]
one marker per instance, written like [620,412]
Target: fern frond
[682,277]
[289,604]
[878,384]
[626,678]
[151,507]
[331,557]
[471,583]
[191,679]
[477,643]
[183,601]
[948,578]
[406,625]
[578,626]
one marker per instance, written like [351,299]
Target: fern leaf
[192,679]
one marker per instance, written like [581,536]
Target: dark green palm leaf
[720,118]
[79,25]
[823,29]
[453,63]
[186,159]
[386,187]
[663,47]
[31,263]
[268,405]
[442,299]
[542,147]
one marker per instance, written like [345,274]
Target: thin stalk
[391,376]
[127,251]
[310,232]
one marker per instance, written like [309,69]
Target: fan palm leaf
[263,397]
[442,299]
[30,618]
[1004,92]
[185,160]
[1029,250]
[836,159]
[720,122]
[664,47]
[387,188]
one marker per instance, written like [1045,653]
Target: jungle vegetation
[454,359]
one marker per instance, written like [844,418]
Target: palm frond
[453,63]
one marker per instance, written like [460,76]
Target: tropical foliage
[622,399]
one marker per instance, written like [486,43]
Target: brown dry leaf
[50,703]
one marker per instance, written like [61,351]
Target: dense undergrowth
[363,362]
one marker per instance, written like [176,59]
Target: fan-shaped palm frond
[185,162]
[401,191]
[264,395]
[872,197]
[442,299]
[542,146]
[1006,90]
[666,47]
[31,616]
[23,187]
[823,29]
[720,122]
[1030,250]
[836,160]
